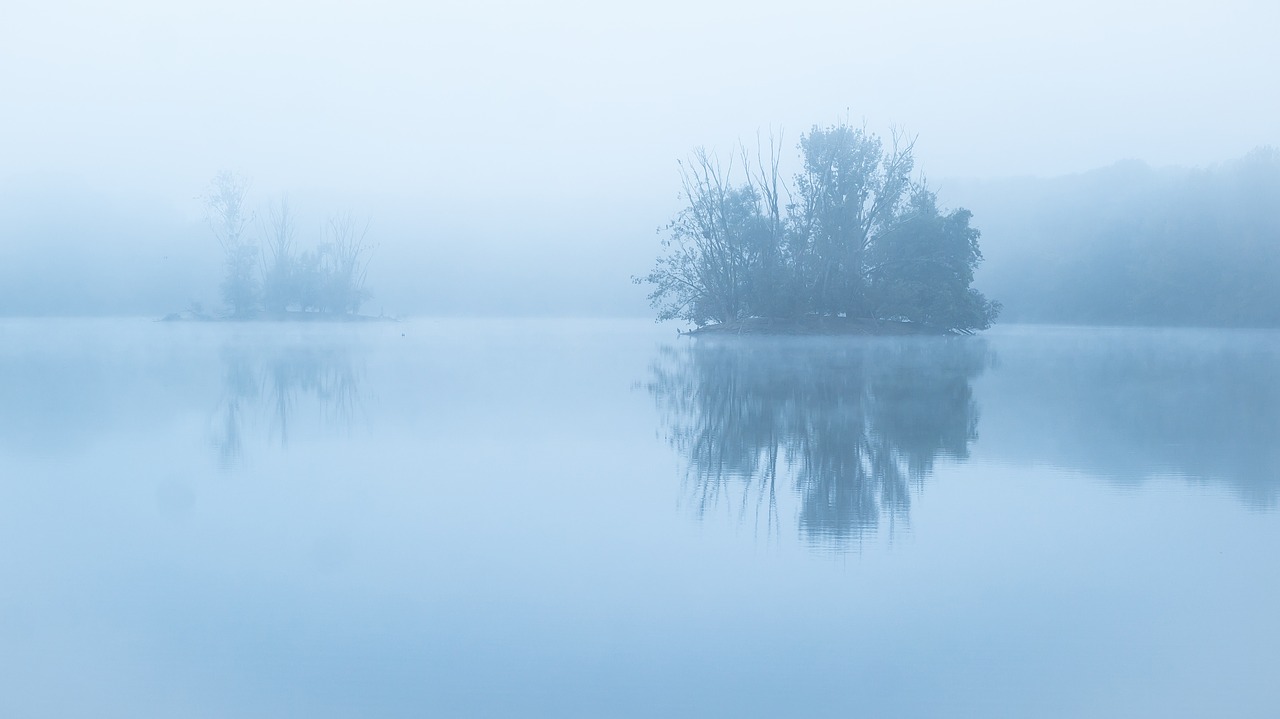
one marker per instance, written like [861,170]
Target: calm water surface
[582,518]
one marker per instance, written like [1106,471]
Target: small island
[854,245]
[278,279]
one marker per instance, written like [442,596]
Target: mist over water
[251,519]
[367,467]
[516,160]
[1141,406]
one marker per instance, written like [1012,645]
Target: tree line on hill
[1134,245]
[853,236]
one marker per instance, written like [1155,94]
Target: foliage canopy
[854,237]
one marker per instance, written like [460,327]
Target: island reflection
[273,393]
[849,425]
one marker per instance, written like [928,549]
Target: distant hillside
[1129,244]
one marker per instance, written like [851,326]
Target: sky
[552,129]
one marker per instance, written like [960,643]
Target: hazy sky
[555,114]
[474,99]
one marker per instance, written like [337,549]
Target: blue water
[465,518]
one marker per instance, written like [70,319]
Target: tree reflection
[851,426]
[270,392]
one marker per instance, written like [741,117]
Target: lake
[590,518]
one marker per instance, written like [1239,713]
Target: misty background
[517,160]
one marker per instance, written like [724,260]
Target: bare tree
[279,260]
[721,249]
[348,251]
[228,216]
[282,276]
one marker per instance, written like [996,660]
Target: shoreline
[816,326]
[277,317]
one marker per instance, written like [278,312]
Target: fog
[517,160]
[845,493]
[264,519]
[1130,244]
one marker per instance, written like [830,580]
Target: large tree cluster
[853,235]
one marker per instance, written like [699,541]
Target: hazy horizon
[1016,459]
[131,257]
[517,160]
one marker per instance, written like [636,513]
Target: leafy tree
[849,196]
[922,267]
[859,239]
[721,249]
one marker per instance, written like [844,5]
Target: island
[279,279]
[855,244]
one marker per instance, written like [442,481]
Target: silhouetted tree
[280,262]
[922,268]
[328,278]
[723,249]
[859,239]
[228,216]
[849,195]
[345,259]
